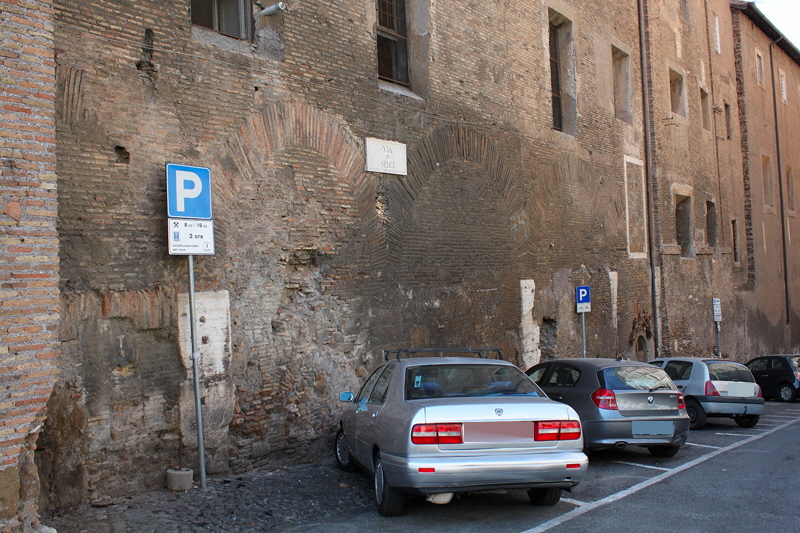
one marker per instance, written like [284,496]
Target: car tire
[342,452]
[389,502]
[543,497]
[663,451]
[697,417]
[787,393]
[746,421]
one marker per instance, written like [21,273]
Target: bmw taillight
[681,401]
[550,430]
[758,388]
[711,390]
[605,399]
[437,434]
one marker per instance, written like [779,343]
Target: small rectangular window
[683,223]
[789,189]
[555,80]
[392,42]
[784,91]
[717,43]
[766,177]
[233,18]
[622,84]
[711,224]
[705,109]
[562,83]
[759,69]
[728,122]
[735,239]
[677,99]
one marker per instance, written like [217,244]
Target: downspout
[780,182]
[648,165]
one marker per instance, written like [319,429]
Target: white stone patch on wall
[213,325]
[613,280]
[531,354]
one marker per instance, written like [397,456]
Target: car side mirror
[346,396]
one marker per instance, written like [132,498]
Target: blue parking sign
[188,192]
[583,299]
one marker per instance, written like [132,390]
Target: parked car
[715,387]
[778,375]
[620,403]
[439,425]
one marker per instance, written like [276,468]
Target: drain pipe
[780,182]
[649,179]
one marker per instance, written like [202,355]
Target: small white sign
[388,157]
[717,309]
[190,237]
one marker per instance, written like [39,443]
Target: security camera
[272,10]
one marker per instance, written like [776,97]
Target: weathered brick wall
[29,294]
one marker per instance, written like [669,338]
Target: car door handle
[557,397]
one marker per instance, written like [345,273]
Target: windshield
[795,362]
[635,378]
[728,371]
[456,381]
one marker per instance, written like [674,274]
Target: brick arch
[462,144]
[286,125]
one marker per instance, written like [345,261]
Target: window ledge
[211,37]
[398,89]
[671,249]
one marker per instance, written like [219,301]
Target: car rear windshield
[635,378]
[795,362]
[462,380]
[728,371]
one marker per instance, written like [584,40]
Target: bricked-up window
[717,41]
[683,223]
[728,122]
[685,12]
[392,42]
[676,96]
[784,90]
[705,109]
[766,178]
[561,84]
[789,189]
[621,70]
[735,239]
[711,224]
[233,18]
[759,69]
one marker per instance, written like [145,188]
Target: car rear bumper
[722,405]
[609,433]
[475,473]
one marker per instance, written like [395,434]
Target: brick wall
[29,294]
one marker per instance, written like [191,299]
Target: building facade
[548,144]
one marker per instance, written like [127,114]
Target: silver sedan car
[436,426]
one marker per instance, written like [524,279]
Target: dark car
[620,403]
[778,375]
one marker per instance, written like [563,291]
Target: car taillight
[681,401]
[437,434]
[797,375]
[556,430]
[758,388]
[605,399]
[711,390]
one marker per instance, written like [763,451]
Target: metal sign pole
[201,449]
[583,333]
[719,343]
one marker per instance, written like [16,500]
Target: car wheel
[548,496]
[390,503]
[787,393]
[697,417]
[663,451]
[746,421]
[342,452]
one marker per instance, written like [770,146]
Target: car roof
[425,361]
[597,362]
[695,359]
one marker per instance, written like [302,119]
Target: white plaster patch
[213,326]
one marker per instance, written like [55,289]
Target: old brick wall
[29,293]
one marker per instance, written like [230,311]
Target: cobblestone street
[266,500]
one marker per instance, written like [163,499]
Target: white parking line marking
[735,434]
[703,445]
[644,466]
[644,484]
[576,503]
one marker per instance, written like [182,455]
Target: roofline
[764,24]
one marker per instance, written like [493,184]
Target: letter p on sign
[188,192]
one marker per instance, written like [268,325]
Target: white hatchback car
[715,387]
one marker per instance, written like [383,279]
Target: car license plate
[653,428]
[741,389]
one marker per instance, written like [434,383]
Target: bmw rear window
[458,381]
[795,362]
[728,371]
[635,378]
